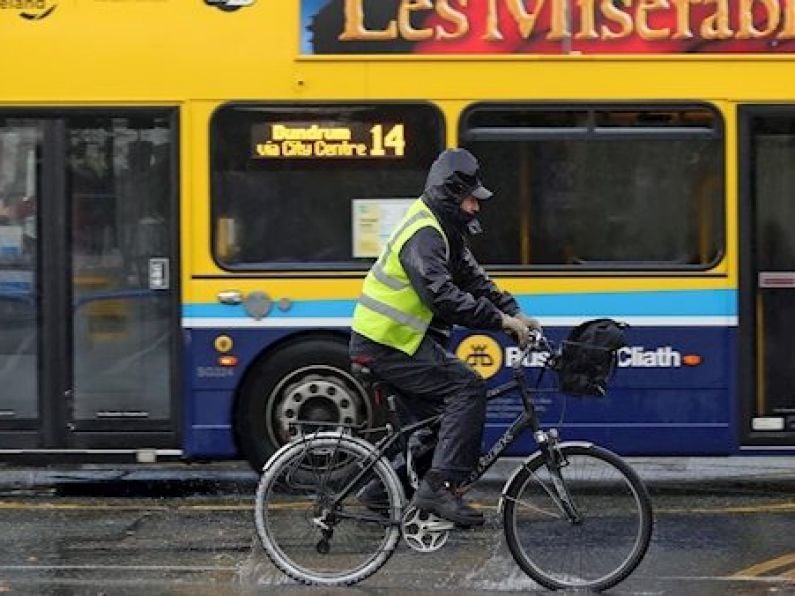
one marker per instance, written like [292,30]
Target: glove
[514,327]
[531,323]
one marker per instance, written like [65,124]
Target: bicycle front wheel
[597,541]
[319,519]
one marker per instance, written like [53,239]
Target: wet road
[175,536]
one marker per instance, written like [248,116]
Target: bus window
[285,178]
[120,189]
[772,153]
[20,154]
[598,186]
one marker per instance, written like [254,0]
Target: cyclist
[426,280]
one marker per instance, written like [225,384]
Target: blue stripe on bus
[659,303]
[654,303]
[306,308]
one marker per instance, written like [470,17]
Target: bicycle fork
[555,462]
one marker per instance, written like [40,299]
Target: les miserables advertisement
[547,26]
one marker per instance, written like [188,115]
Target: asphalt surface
[722,526]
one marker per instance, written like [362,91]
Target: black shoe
[443,501]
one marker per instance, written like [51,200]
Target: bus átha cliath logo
[483,353]
[30,10]
[547,26]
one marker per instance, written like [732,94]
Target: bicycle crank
[423,531]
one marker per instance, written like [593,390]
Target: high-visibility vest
[389,311]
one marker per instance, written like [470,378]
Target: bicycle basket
[587,358]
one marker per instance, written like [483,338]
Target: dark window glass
[21,143]
[655,118]
[631,187]
[286,179]
[773,186]
[120,185]
[773,153]
[519,116]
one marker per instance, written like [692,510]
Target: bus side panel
[208,394]
[657,403]
[211,388]
[674,392]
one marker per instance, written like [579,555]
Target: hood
[454,176]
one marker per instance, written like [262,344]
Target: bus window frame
[643,268]
[300,268]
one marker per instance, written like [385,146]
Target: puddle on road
[499,573]
[472,562]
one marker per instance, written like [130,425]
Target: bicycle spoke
[552,493]
[321,531]
[601,544]
[528,505]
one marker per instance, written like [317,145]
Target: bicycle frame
[316,486]
[527,419]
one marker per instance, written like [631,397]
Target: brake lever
[535,339]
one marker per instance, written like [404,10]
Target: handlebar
[535,341]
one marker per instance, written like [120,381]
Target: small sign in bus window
[373,221]
[313,140]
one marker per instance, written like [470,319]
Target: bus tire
[306,380]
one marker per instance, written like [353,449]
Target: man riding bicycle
[425,281]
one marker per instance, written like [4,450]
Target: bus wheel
[307,381]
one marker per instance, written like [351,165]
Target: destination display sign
[328,140]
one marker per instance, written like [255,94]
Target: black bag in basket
[588,356]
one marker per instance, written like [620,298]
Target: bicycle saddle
[362,372]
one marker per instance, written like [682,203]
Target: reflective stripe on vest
[393,313]
[389,311]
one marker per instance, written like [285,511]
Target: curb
[236,478]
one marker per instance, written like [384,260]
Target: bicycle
[575,515]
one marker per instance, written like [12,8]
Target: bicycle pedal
[437,524]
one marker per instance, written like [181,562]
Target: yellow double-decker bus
[191,194]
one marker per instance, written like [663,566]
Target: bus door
[767,233]
[88,296]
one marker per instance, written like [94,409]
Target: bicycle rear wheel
[305,534]
[601,548]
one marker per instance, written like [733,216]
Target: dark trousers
[434,381]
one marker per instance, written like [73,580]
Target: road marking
[778,566]
[89,507]
[769,508]
[115,567]
[21,505]
[721,578]
[80,507]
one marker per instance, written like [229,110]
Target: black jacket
[457,290]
